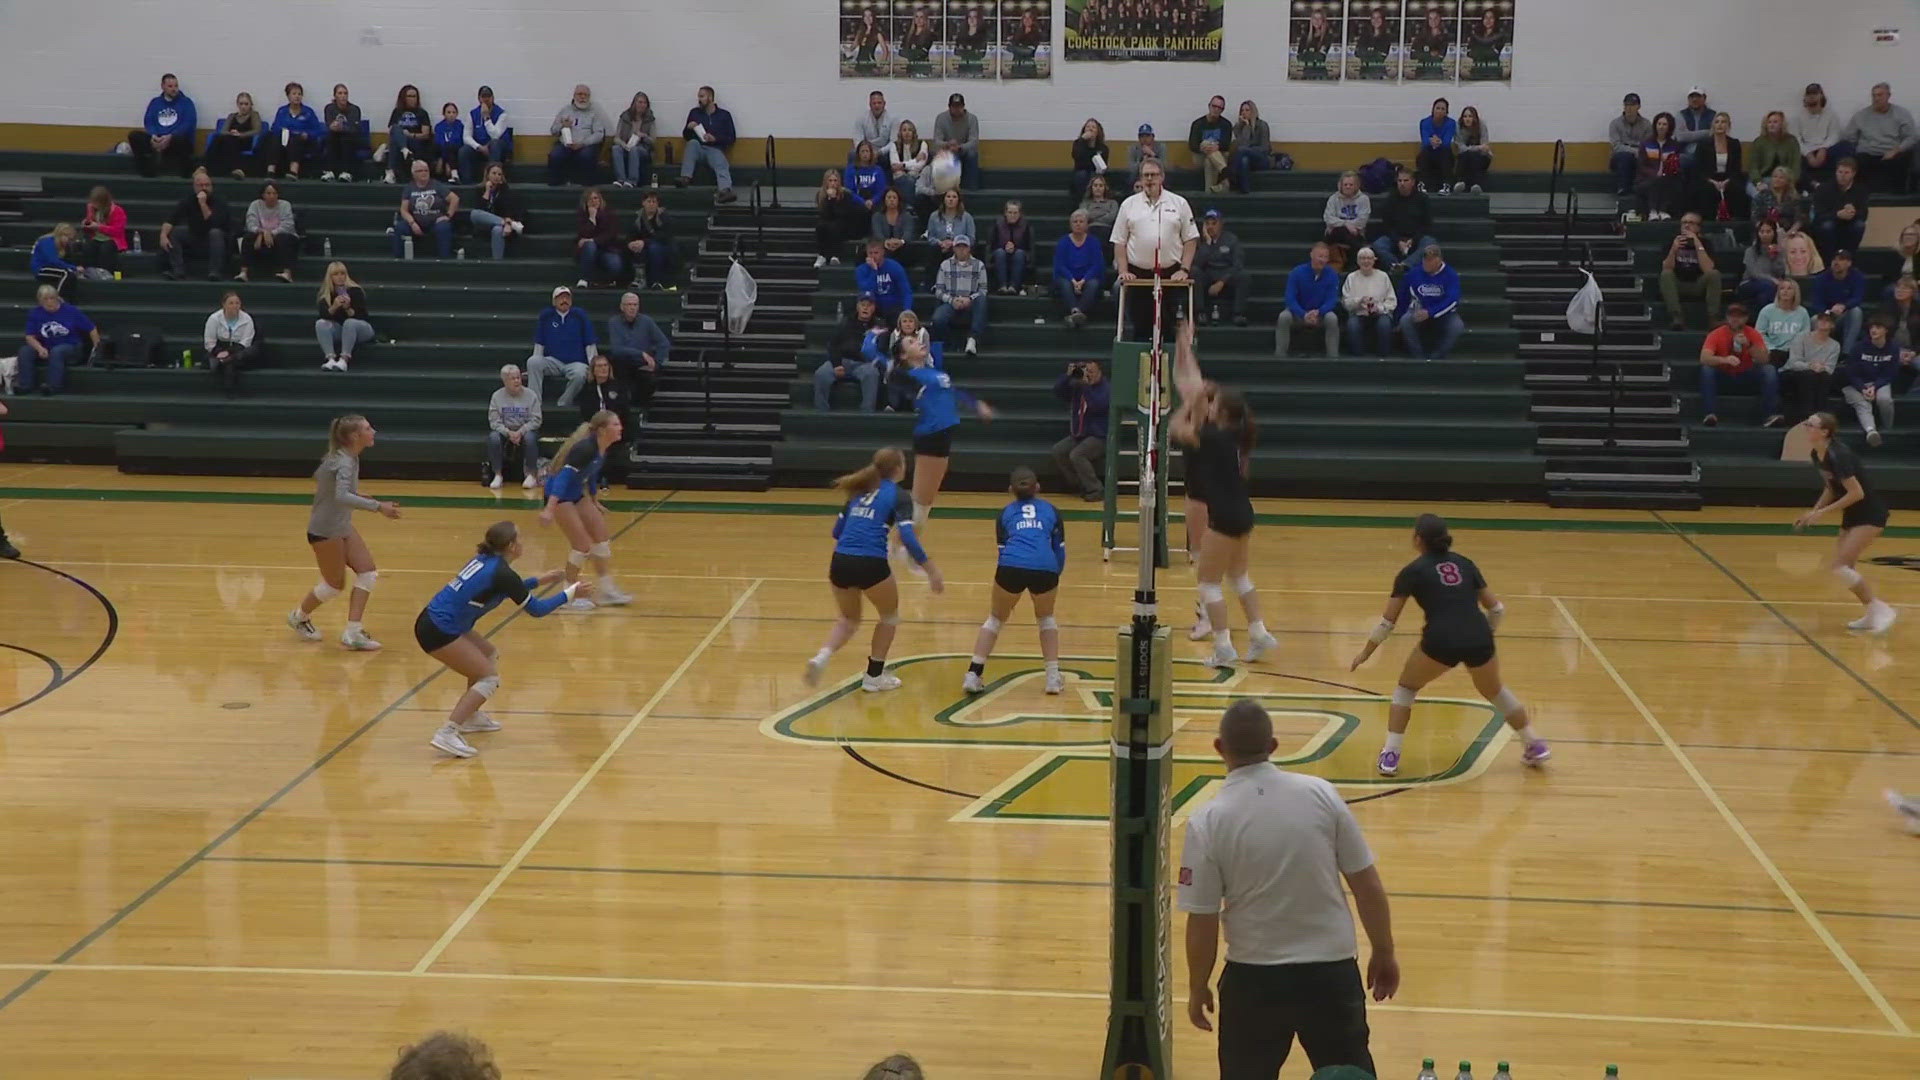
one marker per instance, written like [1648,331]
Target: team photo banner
[1158,30]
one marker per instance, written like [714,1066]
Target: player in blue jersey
[875,505]
[1033,552]
[937,402]
[445,628]
[573,500]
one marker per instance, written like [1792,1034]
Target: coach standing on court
[1154,229]
[1273,845]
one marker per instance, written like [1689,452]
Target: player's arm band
[1381,632]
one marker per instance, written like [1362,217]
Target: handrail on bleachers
[1559,170]
[772,163]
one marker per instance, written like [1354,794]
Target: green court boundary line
[1630,526]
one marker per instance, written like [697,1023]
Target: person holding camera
[1081,454]
[1688,271]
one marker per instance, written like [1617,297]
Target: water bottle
[1613,1072]
[1466,1071]
[407,247]
[460,252]
[1501,1073]
[186,358]
[136,242]
[326,247]
[1426,1070]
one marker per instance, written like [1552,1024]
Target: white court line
[1746,838]
[566,801]
[930,991]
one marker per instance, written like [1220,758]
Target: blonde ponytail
[598,423]
[342,430]
[886,461]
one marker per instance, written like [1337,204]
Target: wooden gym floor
[226,853]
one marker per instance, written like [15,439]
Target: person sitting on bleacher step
[166,132]
[846,360]
[199,225]
[639,349]
[563,339]
[426,206]
[513,422]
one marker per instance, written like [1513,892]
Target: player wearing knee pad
[331,533]
[875,507]
[1032,541]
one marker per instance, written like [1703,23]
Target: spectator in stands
[295,135]
[1883,138]
[50,260]
[882,277]
[1405,226]
[1012,249]
[961,288]
[864,178]
[427,207]
[1082,455]
[709,131]
[1818,132]
[1779,202]
[906,160]
[651,244]
[578,129]
[1841,291]
[1476,150]
[606,392]
[893,225]
[1090,157]
[1369,299]
[496,209]
[1840,210]
[1721,191]
[1209,137]
[1783,319]
[449,139]
[409,133]
[1803,258]
[1764,268]
[489,136]
[1736,354]
[1435,158]
[1433,300]
[1220,273]
[875,126]
[1774,148]
[1100,207]
[1252,149]
[343,317]
[1869,372]
[1688,270]
[1313,291]
[1346,216]
[562,343]
[633,144]
[1807,375]
[1143,150]
[103,226]
[54,330]
[231,342]
[846,356]
[445,1056]
[1626,134]
[1903,314]
[166,132]
[957,131]
[341,149]
[200,224]
[885,349]
[1695,125]
[596,243]
[897,1067]
[273,240]
[1659,176]
[838,218]
[638,348]
[226,153]
[1079,269]
[1907,250]
[513,421]
[949,221]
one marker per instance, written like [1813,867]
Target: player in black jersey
[1461,616]
[1862,516]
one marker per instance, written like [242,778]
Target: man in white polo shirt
[1154,232]
[1272,847]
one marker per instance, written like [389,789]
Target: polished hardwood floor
[225,853]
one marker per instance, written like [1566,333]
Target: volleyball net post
[1132,442]
[1139,1044]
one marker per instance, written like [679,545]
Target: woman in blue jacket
[1435,161]
[449,138]
[489,138]
[296,134]
[866,181]
[49,261]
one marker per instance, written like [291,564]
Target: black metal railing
[772,163]
[1559,171]
[1595,375]
[759,224]
[1566,230]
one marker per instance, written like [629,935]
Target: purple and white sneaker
[1389,763]
[1536,753]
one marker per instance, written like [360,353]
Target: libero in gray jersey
[336,496]
[337,546]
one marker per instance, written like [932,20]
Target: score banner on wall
[945,39]
[1144,29]
[1434,41]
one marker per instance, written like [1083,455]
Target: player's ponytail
[343,429]
[598,423]
[1023,483]
[1431,529]
[886,461]
[500,536]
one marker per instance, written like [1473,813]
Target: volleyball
[946,171]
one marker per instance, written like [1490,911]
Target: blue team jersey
[478,588]
[861,529]
[579,475]
[1032,536]
[935,400]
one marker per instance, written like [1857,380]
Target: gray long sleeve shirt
[630,340]
[509,412]
[589,124]
[876,130]
[965,131]
[1625,137]
[336,496]
[1879,133]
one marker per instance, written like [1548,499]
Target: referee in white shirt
[1154,229]
[1272,847]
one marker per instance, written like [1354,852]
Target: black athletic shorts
[1017,580]
[312,539]
[430,637]
[1230,519]
[934,444]
[857,571]
[1451,653]
[1863,514]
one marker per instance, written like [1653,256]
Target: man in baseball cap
[957,131]
[563,344]
[1624,136]
[1695,123]
[847,360]
[961,288]
[1818,130]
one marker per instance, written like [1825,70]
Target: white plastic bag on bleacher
[1583,311]
[742,292]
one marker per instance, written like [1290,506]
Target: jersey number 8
[1449,573]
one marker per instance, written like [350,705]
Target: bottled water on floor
[1501,1073]
[1426,1070]
[1466,1071]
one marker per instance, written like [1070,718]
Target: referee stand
[1127,374]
